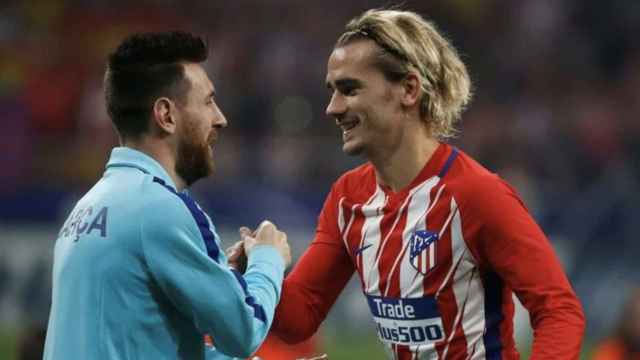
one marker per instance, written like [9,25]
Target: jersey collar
[128,157]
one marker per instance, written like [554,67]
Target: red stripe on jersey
[353,235]
[439,220]
[347,211]
[436,221]
[458,345]
[392,249]
[455,343]
[403,353]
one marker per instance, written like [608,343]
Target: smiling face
[366,106]
[198,129]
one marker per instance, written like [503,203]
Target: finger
[235,251]
[282,238]
[267,233]
[234,248]
[235,255]
[248,243]
[235,244]
[244,231]
[266,224]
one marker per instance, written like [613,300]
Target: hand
[268,234]
[236,256]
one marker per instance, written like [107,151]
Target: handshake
[266,234]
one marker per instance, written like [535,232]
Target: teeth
[349,126]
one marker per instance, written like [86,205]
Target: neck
[162,153]
[399,166]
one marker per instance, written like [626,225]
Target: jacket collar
[128,157]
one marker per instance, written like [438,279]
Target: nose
[337,105]
[219,120]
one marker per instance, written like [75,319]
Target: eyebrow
[347,82]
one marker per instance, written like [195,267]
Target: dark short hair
[144,67]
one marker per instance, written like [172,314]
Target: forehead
[197,77]
[352,60]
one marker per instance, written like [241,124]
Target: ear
[163,115]
[411,89]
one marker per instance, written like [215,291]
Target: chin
[196,171]
[352,149]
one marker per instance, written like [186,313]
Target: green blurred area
[339,346]
[8,344]
[343,346]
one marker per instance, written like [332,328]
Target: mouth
[212,140]
[347,126]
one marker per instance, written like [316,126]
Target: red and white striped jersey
[438,262]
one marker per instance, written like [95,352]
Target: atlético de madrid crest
[422,250]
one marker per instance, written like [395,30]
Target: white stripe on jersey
[468,291]
[411,281]
[341,215]
[456,257]
[421,354]
[371,231]
[435,201]
[373,287]
[341,220]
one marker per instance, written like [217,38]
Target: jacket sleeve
[183,258]
[314,284]
[512,245]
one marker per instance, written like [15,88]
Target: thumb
[266,228]
[266,224]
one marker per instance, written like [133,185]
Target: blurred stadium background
[557,100]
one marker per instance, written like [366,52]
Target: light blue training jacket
[139,274]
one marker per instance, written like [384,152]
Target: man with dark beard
[138,273]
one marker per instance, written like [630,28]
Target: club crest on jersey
[422,250]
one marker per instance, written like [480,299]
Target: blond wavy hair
[408,43]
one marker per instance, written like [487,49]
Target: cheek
[376,116]
[196,131]
[201,125]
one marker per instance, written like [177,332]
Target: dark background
[555,112]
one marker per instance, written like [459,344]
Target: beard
[194,160]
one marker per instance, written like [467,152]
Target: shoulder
[163,207]
[359,180]
[473,186]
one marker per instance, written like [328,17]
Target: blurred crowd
[555,112]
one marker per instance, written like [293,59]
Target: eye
[349,90]
[345,87]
